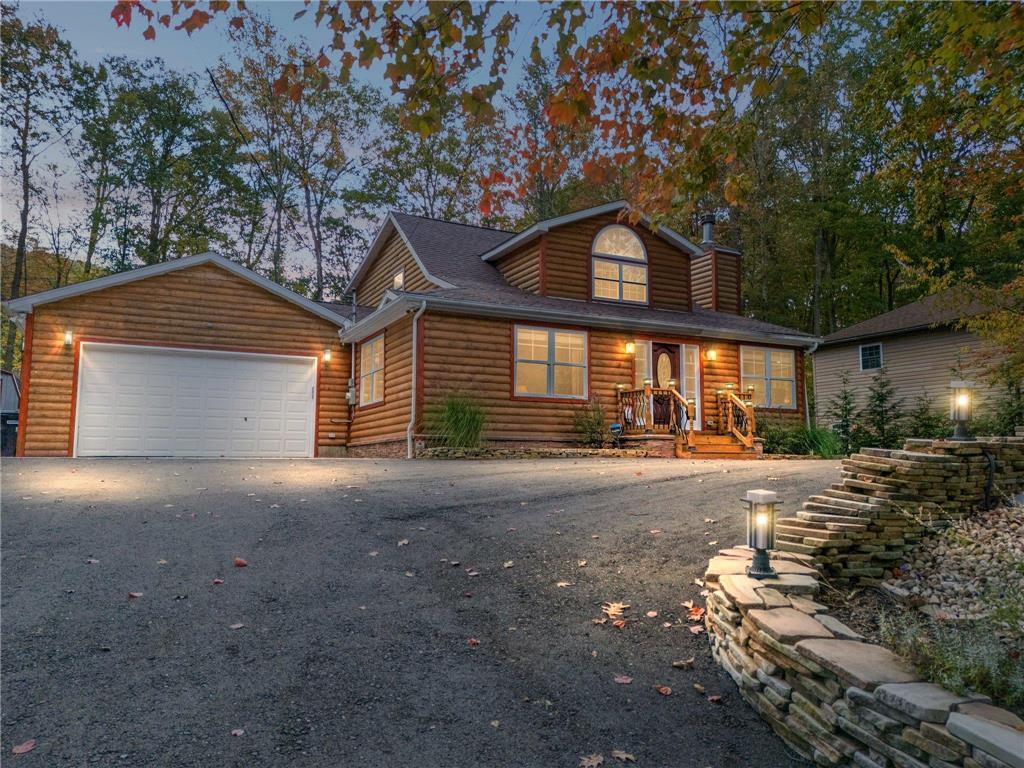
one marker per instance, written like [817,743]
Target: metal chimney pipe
[708,222]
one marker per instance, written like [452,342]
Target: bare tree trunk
[19,255]
[819,251]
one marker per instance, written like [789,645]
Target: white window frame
[619,262]
[373,373]
[768,378]
[398,280]
[550,363]
[881,356]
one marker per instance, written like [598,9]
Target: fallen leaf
[623,757]
[582,563]
[495,723]
[638,473]
[666,624]
[696,629]
[564,584]
[652,614]
[471,573]
[161,562]
[619,624]
[713,543]
[409,574]
[613,610]
[374,553]
[134,594]
[591,761]
[696,613]
[507,564]
[687,603]
[240,563]
[698,688]
[238,732]
[403,543]
[655,531]
[684,663]
[699,582]
[715,699]
[664,690]
[25,746]
[218,581]
[623,679]
[473,642]
[602,620]
[709,519]
[92,561]
[236,626]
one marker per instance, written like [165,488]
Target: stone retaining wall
[833,698]
[886,500]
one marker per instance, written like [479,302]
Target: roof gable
[26,304]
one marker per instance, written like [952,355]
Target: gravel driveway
[358,606]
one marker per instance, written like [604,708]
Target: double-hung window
[398,281]
[550,363]
[619,266]
[870,357]
[371,371]
[772,374]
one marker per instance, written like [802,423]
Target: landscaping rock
[837,628]
[741,590]
[788,625]
[1000,741]
[861,664]
[923,701]
[986,711]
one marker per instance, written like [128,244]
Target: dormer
[597,255]
[716,273]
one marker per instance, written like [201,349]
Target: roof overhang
[544,226]
[406,304]
[26,304]
[860,338]
[387,228]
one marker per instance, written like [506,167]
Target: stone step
[797,546]
[867,466]
[824,517]
[833,501]
[849,495]
[802,530]
[829,509]
[800,522]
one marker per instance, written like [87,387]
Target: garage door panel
[137,401]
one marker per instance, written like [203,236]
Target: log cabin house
[201,357]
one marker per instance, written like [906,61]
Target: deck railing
[739,421]
[656,410]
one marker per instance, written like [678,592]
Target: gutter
[415,364]
[814,374]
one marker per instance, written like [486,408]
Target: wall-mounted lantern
[761,531]
[327,355]
[68,338]
[960,407]
[711,355]
[630,347]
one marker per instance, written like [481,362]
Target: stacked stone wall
[886,500]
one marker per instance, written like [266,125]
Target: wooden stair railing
[740,421]
[687,408]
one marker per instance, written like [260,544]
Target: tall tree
[33,74]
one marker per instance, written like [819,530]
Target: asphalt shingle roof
[938,309]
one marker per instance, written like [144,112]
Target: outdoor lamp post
[761,531]
[750,393]
[961,400]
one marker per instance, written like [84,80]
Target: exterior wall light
[761,531]
[68,338]
[960,406]
[620,387]
[630,347]
[711,355]
[327,355]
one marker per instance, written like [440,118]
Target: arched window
[619,266]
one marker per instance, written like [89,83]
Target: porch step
[745,454]
[699,438]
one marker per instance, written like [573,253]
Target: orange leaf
[664,690]
[240,563]
[25,746]
[150,33]
[623,679]
[619,624]
[473,642]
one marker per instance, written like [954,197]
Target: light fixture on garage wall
[711,355]
[630,348]
[327,355]
[68,337]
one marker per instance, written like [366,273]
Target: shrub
[803,441]
[458,423]
[959,655]
[843,413]
[881,414]
[926,422]
[588,421]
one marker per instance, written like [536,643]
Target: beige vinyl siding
[393,257]
[919,364]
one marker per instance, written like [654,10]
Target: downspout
[807,407]
[415,364]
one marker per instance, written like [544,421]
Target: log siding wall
[202,307]
[379,276]
[388,419]
[473,356]
[717,281]
[522,268]
[567,265]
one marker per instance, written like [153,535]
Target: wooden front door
[665,365]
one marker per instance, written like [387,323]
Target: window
[772,374]
[371,371]
[398,281]
[870,357]
[619,266]
[550,363]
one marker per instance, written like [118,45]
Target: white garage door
[154,401]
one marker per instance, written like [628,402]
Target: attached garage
[197,357]
[160,401]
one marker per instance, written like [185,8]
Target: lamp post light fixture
[672,383]
[648,382]
[750,393]
[960,404]
[761,531]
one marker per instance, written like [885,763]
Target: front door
[665,359]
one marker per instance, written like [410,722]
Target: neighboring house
[917,345]
[200,357]
[10,397]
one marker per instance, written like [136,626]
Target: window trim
[620,262]
[398,273]
[514,394]
[768,378]
[881,356]
[359,384]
